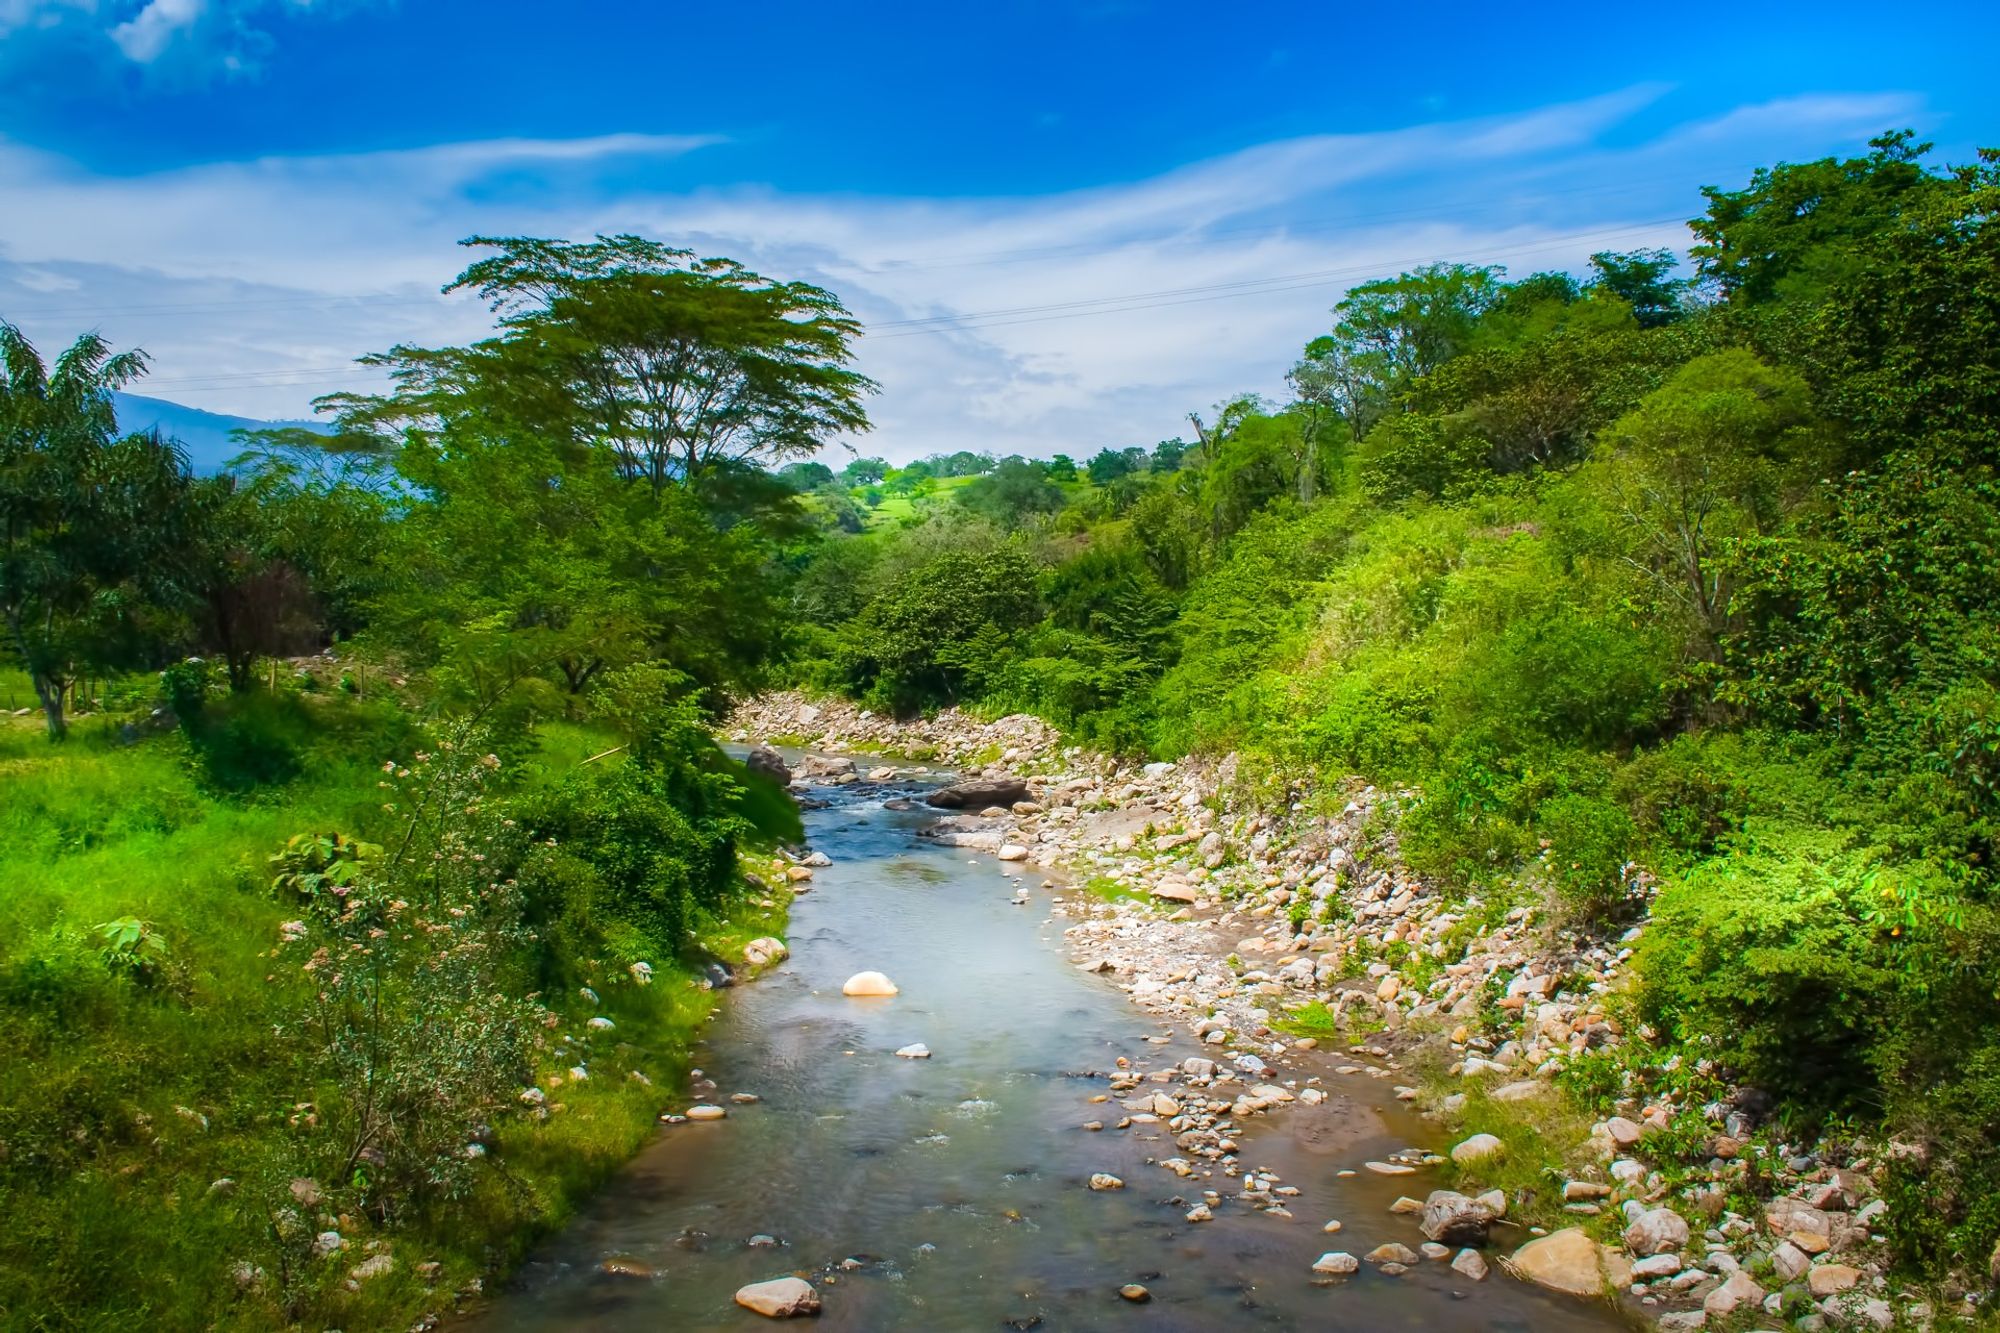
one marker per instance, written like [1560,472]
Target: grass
[124,1100]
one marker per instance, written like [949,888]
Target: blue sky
[1067,225]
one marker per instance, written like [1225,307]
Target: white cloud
[254,283]
[174,41]
[146,35]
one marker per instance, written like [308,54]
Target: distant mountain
[205,435]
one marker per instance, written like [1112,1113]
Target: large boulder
[780,1298]
[824,766]
[980,793]
[1566,1260]
[1452,1219]
[1659,1231]
[768,763]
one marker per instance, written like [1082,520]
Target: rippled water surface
[954,1188]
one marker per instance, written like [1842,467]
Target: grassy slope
[121,1104]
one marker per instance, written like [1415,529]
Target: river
[950,1193]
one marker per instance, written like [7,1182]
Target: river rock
[1738,1289]
[1658,1231]
[979,794]
[823,766]
[765,950]
[1135,1293]
[768,763]
[780,1298]
[1565,1260]
[916,1050]
[1831,1279]
[706,1112]
[1012,851]
[1395,1252]
[1477,1149]
[1450,1218]
[1470,1264]
[1104,1180]
[869,983]
[1336,1262]
[624,1265]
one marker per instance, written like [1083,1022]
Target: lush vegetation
[1646,582]
[365,844]
[355,783]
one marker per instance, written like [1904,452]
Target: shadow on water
[949,1193]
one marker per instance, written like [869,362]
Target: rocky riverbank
[1268,918]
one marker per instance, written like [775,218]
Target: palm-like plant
[81,511]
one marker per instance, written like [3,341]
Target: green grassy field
[146,1124]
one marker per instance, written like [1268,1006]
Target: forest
[1663,587]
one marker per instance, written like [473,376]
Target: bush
[1761,956]
[1590,845]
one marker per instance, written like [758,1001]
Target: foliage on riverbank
[330,979]
[227,1041]
[1664,594]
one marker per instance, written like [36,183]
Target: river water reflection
[953,1189]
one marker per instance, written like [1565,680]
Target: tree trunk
[46,690]
[52,706]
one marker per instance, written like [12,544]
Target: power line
[1214,292]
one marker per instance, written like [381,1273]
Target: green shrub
[1589,852]
[1763,956]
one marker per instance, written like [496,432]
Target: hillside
[208,437]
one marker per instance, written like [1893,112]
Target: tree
[1643,280]
[1110,464]
[1391,333]
[1793,229]
[675,365]
[1013,492]
[803,477]
[864,471]
[923,638]
[1697,465]
[89,523]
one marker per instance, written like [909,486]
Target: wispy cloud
[1057,322]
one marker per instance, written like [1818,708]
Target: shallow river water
[958,1182]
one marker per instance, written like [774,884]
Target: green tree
[1792,231]
[1697,465]
[90,524]
[925,638]
[1644,280]
[676,367]
[1012,493]
[808,476]
[863,471]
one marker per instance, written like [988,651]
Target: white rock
[1477,1148]
[1336,1261]
[869,983]
[915,1051]
[780,1298]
